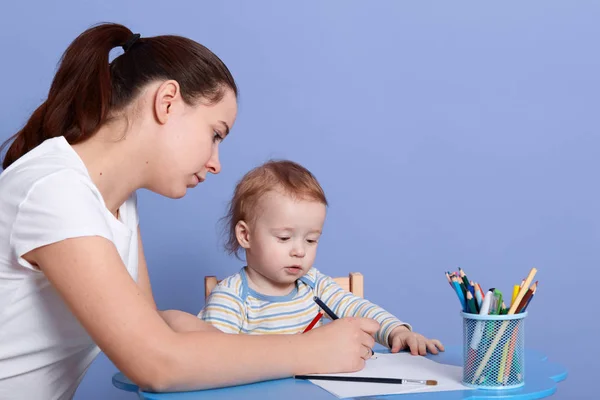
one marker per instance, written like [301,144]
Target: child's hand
[401,338]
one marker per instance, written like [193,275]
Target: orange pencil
[313,322]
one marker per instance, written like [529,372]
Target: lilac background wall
[445,134]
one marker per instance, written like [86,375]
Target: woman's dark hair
[87,89]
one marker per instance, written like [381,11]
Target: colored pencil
[313,322]
[481,292]
[471,304]
[478,297]
[459,293]
[324,307]
[529,301]
[516,289]
[330,313]
[503,350]
[526,298]
[465,280]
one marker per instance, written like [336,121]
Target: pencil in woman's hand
[313,322]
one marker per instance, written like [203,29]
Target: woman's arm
[181,321]
[143,279]
[92,280]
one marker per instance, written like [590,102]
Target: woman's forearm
[181,321]
[203,360]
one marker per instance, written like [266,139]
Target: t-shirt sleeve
[224,309]
[57,207]
[345,304]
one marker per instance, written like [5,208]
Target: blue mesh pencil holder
[493,351]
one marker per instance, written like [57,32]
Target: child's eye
[283,239]
[312,241]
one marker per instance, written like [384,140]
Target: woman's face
[188,144]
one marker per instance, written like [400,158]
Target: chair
[353,283]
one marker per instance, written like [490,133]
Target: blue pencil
[478,297]
[459,293]
[324,307]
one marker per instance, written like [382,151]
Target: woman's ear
[167,94]
[242,233]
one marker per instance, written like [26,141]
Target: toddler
[276,216]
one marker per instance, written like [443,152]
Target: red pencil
[313,322]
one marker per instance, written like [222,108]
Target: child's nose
[298,251]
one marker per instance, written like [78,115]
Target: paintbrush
[428,382]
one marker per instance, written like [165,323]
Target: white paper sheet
[400,365]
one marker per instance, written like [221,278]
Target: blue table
[541,378]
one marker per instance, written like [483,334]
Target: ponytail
[79,97]
[87,88]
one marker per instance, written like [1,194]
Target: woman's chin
[171,191]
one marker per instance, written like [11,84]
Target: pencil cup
[494,351]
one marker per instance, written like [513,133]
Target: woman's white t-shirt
[47,196]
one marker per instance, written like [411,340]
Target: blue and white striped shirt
[233,307]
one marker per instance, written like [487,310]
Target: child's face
[283,238]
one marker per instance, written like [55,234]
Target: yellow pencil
[504,325]
[516,289]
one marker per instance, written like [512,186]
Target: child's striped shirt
[233,307]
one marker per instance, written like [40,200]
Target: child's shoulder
[312,277]
[232,285]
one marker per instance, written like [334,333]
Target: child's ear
[242,233]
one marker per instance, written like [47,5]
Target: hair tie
[130,42]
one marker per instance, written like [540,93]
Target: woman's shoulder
[53,165]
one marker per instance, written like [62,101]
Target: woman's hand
[342,345]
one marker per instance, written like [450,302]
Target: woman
[73,278]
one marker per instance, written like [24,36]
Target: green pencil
[471,303]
